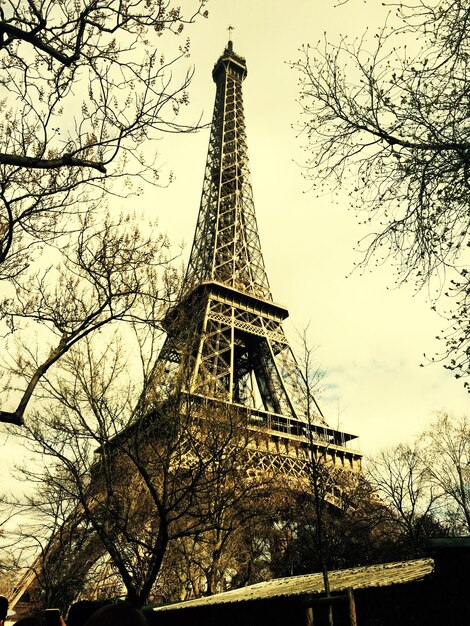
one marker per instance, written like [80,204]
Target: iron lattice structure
[225,342]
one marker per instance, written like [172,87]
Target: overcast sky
[370,336]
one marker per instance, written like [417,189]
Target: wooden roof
[382,575]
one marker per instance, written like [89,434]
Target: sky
[370,337]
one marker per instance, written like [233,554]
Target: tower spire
[226,246]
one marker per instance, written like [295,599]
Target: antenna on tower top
[230,42]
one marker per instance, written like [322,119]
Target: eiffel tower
[225,343]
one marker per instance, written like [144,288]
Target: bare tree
[393,119]
[235,550]
[141,468]
[319,471]
[109,273]
[47,545]
[358,532]
[9,559]
[223,557]
[400,479]
[86,85]
[447,456]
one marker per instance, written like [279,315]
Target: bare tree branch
[392,126]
